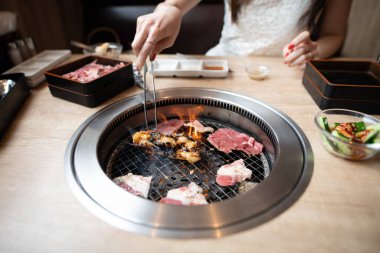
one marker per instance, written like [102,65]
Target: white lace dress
[263,27]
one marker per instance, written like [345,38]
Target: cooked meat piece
[166,141]
[188,144]
[190,156]
[226,140]
[185,195]
[182,147]
[135,184]
[230,174]
[152,138]
[199,128]
[169,127]
[143,138]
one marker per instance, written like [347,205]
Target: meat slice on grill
[185,195]
[230,174]
[169,127]
[227,139]
[199,128]
[182,148]
[135,184]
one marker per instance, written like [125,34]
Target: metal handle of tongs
[154,93]
[145,89]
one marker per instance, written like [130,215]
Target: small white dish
[256,71]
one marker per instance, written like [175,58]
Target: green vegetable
[339,135]
[374,130]
[360,126]
[322,121]
[342,147]
[374,126]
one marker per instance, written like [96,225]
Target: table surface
[338,212]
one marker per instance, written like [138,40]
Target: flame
[162,117]
[194,134]
[178,113]
[192,114]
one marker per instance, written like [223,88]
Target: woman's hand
[300,50]
[155,32]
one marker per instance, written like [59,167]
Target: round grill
[101,149]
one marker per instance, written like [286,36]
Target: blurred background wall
[53,23]
[363,35]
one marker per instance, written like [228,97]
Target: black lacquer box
[91,93]
[351,85]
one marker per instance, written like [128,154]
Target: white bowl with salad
[349,134]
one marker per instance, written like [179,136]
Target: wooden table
[339,211]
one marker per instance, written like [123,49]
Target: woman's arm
[334,27]
[331,36]
[158,30]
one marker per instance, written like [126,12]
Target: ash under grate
[169,173]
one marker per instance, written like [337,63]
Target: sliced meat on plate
[230,174]
[226,140]
[135,184]
[169,127]
[92,71]
[185,195]
[199,128]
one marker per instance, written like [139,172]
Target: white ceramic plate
[190,68]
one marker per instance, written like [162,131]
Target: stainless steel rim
[289,177]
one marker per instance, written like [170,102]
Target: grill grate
[169,173]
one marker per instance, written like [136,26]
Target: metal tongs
[154,93]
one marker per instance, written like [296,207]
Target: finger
[300,50]
[301,60]
[144,53]
[138,42]
[162,44]
[140,37]
[139,21]
[285,51]
[304,36]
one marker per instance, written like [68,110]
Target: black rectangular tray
[357,80]
[123,76]
[323,102]
[91,100]
[12,102]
